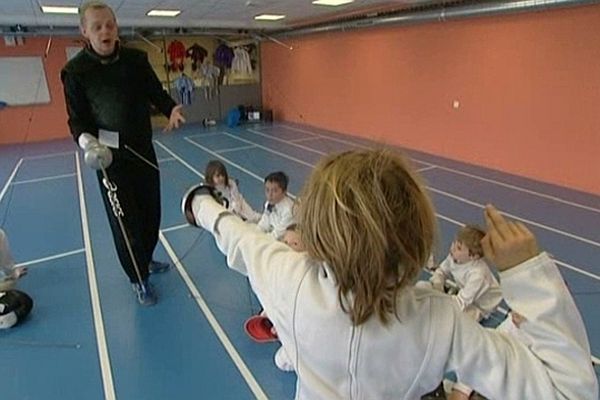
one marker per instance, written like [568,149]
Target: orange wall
[528,87]
[48,121]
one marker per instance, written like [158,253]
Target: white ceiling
[237,14]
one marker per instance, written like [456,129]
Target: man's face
[273,192]
[100,29]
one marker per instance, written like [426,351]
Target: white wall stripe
[105,367]
[48,178]
[50,258]
[221,335]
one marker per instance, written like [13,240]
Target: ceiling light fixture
[269,17]
[333,3]
[163,13]
[59,10]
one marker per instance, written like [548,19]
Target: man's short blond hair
[93,4]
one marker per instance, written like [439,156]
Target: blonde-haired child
[478,290]
[350,316]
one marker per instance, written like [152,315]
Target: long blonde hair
[367,215]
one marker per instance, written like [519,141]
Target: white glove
[96,155]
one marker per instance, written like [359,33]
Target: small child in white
[14,304]
[478,290]
[216,175]
[278,214]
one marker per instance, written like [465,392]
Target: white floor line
[181,160]
[304,139]
[50,258]
[105,367]
[236,149]
[293,142]
[458,172]
[209,151]
[221,335]
[576,269]
[530,222]
[518,188]
[462,199]
[42,156]
[48,178]
[274,127]
[270,150]
[288,142]
[175,228]
[426,168]
[162,160]
[204,134]
[452,221]
[10,178]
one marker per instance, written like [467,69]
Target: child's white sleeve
[438,278]
[287,219]
[264,223]
[556,364]
[240,206]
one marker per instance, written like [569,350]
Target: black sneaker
[145,293]
[157,267]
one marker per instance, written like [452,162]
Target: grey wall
[229,96]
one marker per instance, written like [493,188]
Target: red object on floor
[260,329]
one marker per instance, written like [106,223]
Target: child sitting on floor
[14,304]
[279,207]
[216,175]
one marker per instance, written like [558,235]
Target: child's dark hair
[215,167]
[470,236]
[279,178]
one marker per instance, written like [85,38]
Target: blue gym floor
[87,337]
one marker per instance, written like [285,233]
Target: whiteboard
[23,81]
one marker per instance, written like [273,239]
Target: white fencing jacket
[408,357]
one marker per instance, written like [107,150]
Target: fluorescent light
[163,13]
[269,17]
[60,10]
[332,2]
